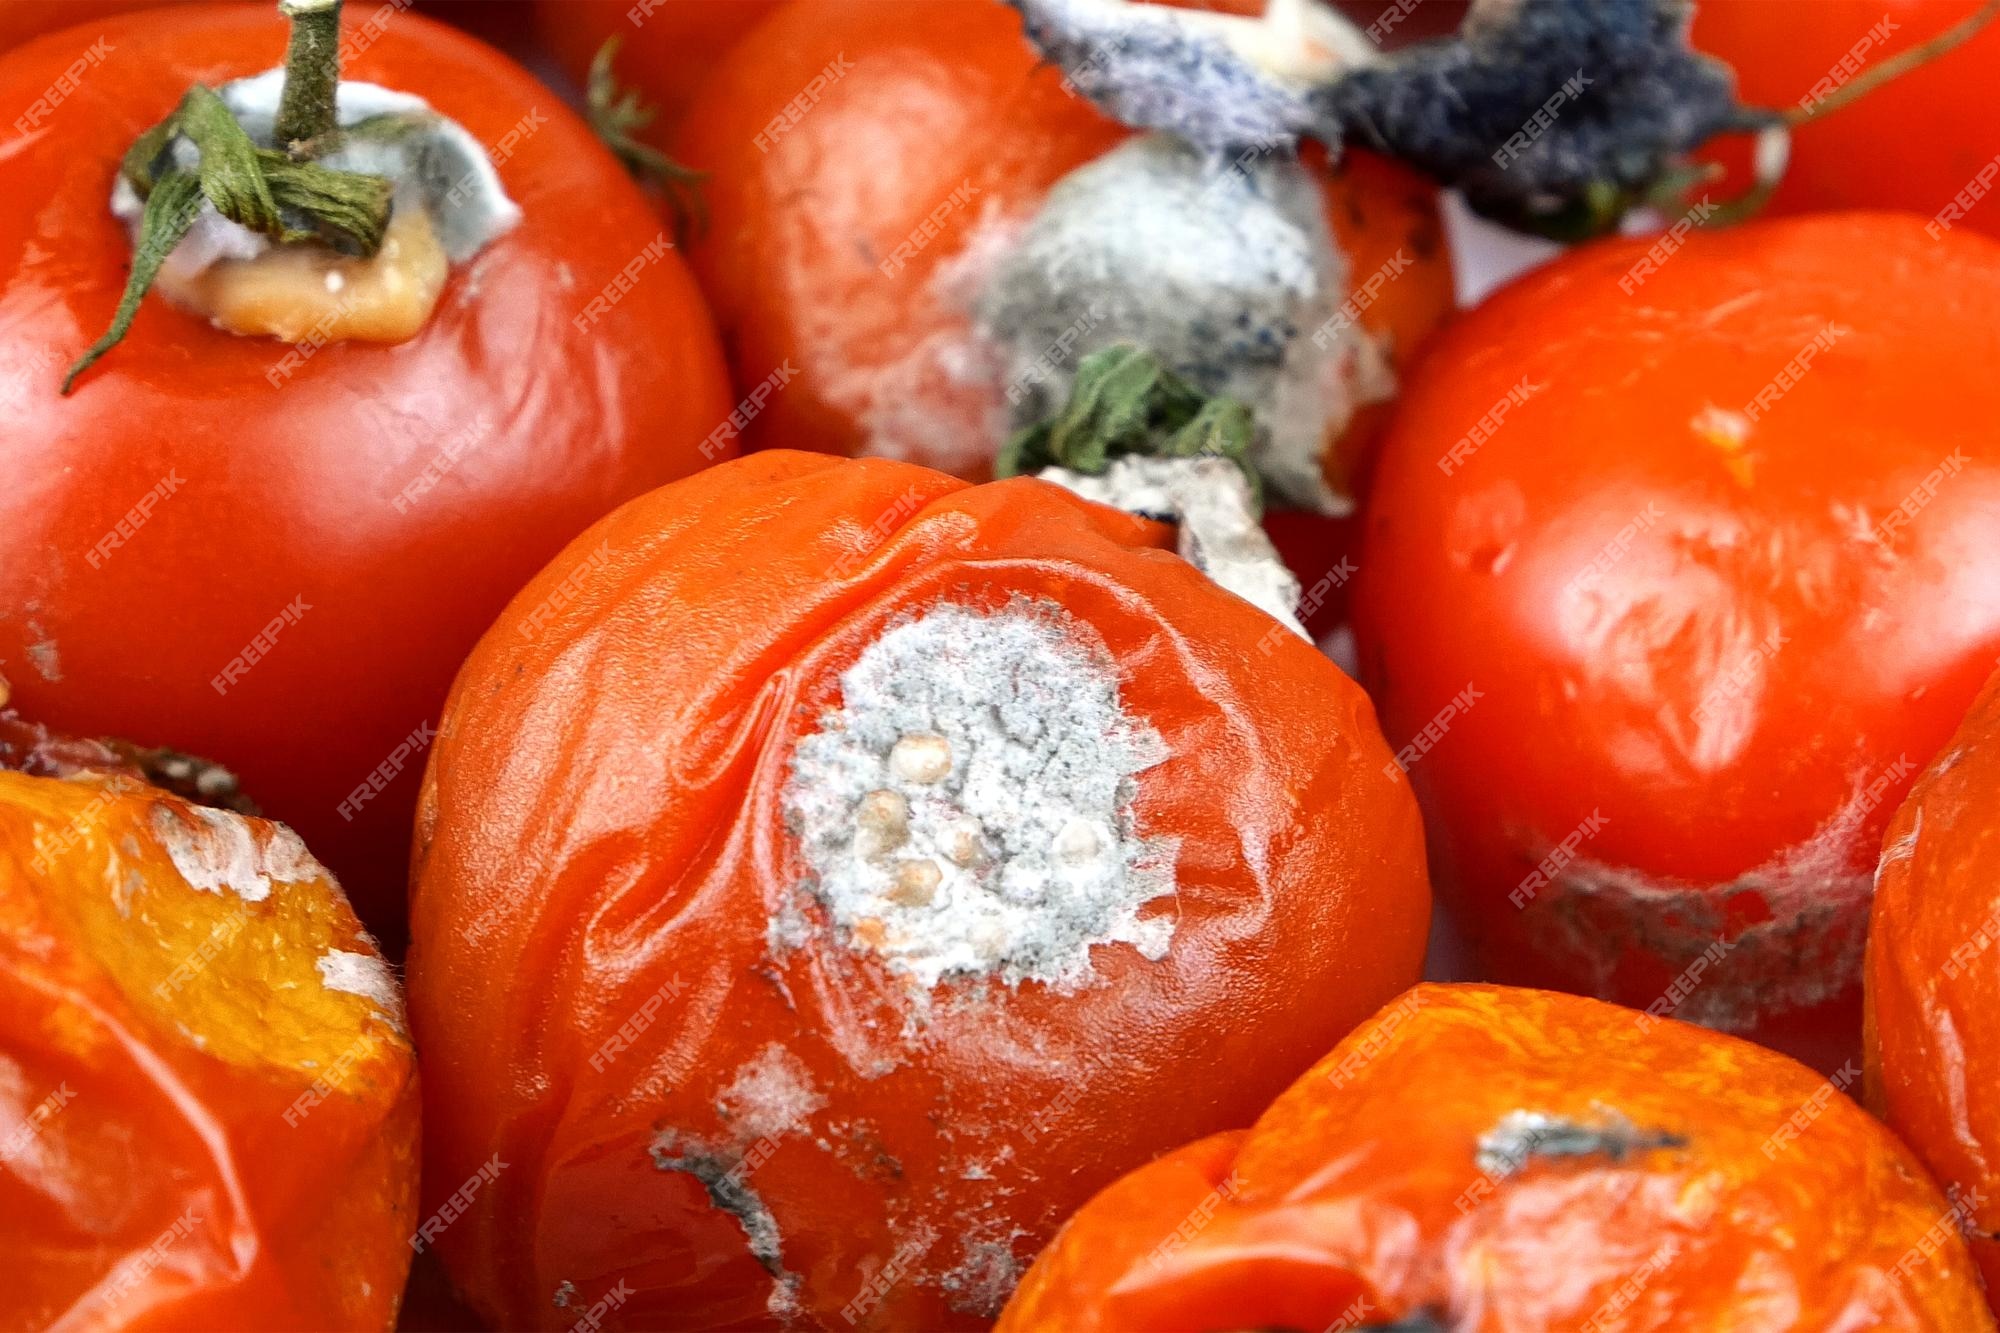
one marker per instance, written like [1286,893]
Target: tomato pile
[906,665]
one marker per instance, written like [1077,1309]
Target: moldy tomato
[1679,566]
[1915,143]
[1475,1157]
[209,1097]
[277,555]
[917,231]
[1934,975]
[897,861]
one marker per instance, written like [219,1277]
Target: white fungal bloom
[217,850]
[367,975]
[967,809]
[1209,500]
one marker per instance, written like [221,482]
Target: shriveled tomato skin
[1934,976]
[841,130]
[1913,144]
[1663,655]
[293,490]
[1399,1180]
[602,812]
[204,1122]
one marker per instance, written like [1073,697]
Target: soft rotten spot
[967,808]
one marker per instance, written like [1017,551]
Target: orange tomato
[275,556]
[1674,577]
[21,20]
[1479,1158]
[1915,143]
[896,861]
[878,173]
[1934,976]
[666,47]
[208,1104]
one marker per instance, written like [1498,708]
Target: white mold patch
[1226,270]
[219,850]
[1209,500]
[771,1096]
[967,809]
[367,975]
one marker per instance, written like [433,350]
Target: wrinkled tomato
[896,862]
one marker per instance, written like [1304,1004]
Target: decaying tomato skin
[1935,124]
[208,1102]
[1678,569]
[276,556]
[875,167]
[1934,976]
[1487,1158]
[736,1110]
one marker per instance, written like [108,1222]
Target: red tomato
[880,168]
[21,20]
[666,47]
[1934,977]
[747,1088]
[1672,582]
[208,552]
[1914,143]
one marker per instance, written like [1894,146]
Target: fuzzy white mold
[967,808]
[219,851]
[1227,271]
[771,1096]
[367,975]
[439,167]
[1209,500]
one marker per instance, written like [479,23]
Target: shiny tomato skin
[1663,657]
[1934,976]
[832,132]
[1913,144]
[1423,1175]
[602,812]
[666,47]
[274,490]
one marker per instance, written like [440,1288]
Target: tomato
[833,806]
[666,47]
[21,20]
[916,230]
[1476,1157]
[1934,976]
[276,556]
[1673,579]
[208,1091]
[1915,143]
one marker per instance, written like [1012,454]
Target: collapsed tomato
[1934,976]
[1475,1157]
[208,1106]
[276,555]
[897,861]
[917,231]
[1928,142]
[1679,567]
